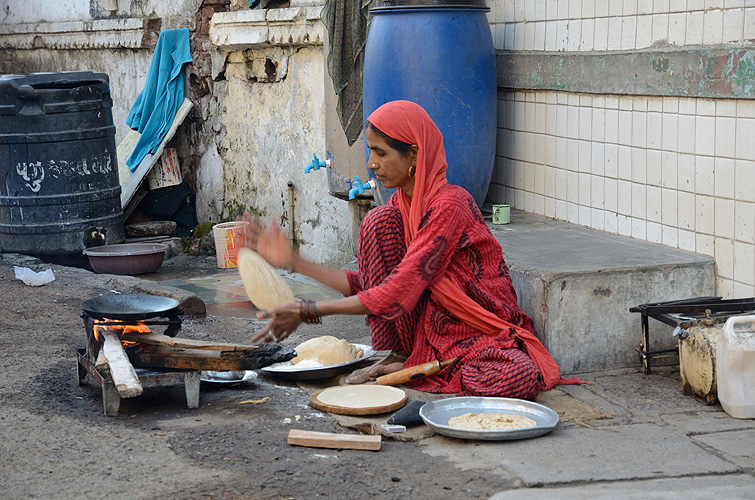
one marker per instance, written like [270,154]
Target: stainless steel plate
[289,371]
[436,415]
[226,378]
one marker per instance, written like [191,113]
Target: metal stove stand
[148,377]
[683,314]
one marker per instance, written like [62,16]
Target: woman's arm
[273,245]
[333,278]
[285,318]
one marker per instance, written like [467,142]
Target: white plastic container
[735,367]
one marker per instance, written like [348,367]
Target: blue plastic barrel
[440,55]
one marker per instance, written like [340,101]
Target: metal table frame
[148,377]
[714,309]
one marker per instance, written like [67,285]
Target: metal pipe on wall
[292,228]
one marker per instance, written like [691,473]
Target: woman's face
[391,168]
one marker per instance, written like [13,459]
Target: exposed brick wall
[200,83]
[154,26]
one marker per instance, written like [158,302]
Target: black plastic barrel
[439,54]
[59,188]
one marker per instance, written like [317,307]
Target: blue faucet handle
[360,188]
[316,164]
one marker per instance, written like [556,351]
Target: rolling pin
[413,373]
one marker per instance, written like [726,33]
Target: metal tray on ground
[289,371]
[221,378]
[436,414]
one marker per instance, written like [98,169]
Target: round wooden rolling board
[359,399]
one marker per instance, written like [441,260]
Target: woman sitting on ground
[432,279]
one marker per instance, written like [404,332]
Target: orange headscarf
[408,122]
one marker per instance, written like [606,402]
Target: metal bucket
[59,187]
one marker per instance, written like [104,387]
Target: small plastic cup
[501,214]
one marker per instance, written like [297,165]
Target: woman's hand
[253,229]
[285,319]
[372,373]
[270,242]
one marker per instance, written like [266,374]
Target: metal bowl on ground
[127,258]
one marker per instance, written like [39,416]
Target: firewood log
[155,356]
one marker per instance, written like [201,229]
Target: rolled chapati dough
[491,421]
[361,396]
[327,350]
[263,285]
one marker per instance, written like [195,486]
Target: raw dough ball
[327,350]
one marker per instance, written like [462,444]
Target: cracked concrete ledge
[128,33]
[263,29]
[249,29]
[724,71]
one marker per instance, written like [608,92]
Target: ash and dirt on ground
[55,441]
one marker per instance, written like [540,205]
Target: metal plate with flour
[436,414]
[289,371]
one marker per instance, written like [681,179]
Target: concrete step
[578,284]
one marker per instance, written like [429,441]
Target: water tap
[316,164]
[360,188]
[680,333]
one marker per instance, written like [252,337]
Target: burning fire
[119,329]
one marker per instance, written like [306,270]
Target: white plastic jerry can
[735,367]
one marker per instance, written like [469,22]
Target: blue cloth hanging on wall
[154,109]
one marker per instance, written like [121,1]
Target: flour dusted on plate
[326,350]
[491,421]
[309,363]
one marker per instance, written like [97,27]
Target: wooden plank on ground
[314,439]
[130,181]
[121,370]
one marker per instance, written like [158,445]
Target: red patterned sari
[394,283]
[434,279]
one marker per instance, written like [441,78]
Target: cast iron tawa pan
[130,307]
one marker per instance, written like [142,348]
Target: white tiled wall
[674,171]
[598,25]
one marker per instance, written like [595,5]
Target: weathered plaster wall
[39,11]
[175,13]
[268,117]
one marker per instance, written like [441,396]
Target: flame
[138,328]
[119,329]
